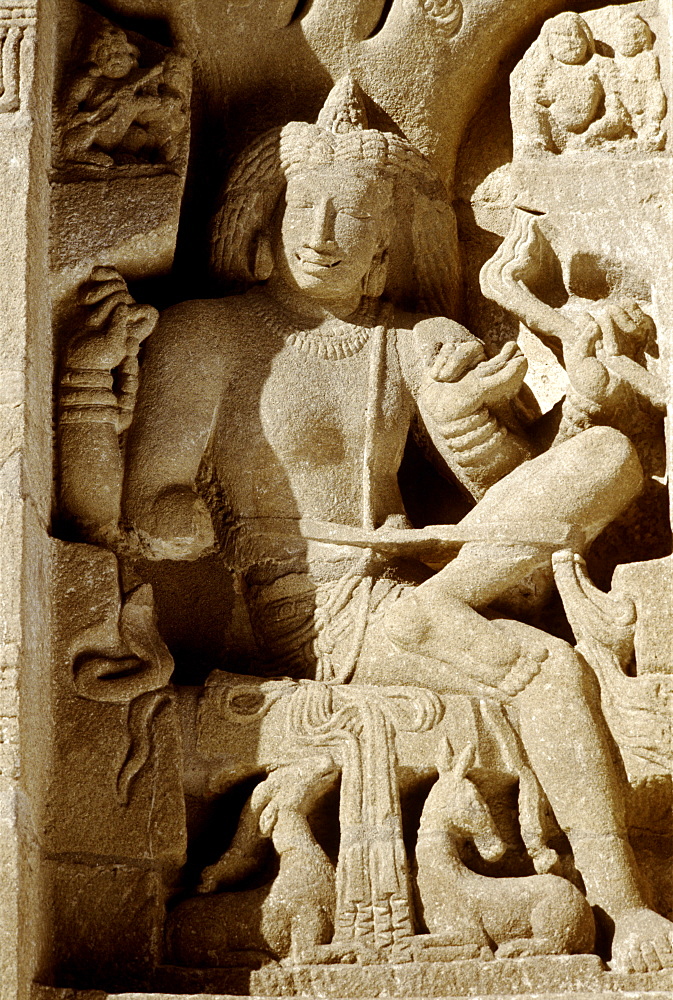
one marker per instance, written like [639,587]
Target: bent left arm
[459,394]
[97,394]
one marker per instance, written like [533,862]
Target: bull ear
[464,761]
[444,755]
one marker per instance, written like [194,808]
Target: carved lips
[313,263]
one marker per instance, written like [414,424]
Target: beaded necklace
[343,340]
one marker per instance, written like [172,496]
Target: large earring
[263,258]
[375,280]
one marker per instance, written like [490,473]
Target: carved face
[116,57]
[567,40]
[334,224]
[633,36]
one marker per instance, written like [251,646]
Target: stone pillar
[25,473]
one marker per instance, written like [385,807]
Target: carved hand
[95,405]
[620,330]
[114,329]
[453,392]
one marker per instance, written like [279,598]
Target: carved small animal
[531,915]
[291,915]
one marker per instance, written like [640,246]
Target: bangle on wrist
[87,397]
[88,414]
[86,378]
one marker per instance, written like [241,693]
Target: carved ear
[268,819]
[263,265]
[444,755]
[464,761]
[375,280]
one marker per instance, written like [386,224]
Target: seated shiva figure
[292,403]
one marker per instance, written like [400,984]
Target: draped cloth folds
[358,724]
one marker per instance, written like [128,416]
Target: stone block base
[562,976]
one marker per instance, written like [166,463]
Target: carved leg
[585,482]
[311,930]
[525,947]
[77,143]
[443,948]
[561,921]
[565,737]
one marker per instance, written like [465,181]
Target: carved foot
[432,623]
[643,942]
[95,158]
[445,948]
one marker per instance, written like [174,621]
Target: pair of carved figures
[570,94]
[270,427]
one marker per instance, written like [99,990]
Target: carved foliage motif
[447,13]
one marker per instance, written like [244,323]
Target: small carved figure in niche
[533,915]
[294,913]
[559,98]
[115,111]
[276,421]
[637,81]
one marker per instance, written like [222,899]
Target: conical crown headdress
[344,110]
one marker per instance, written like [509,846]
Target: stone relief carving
[623,635]
[295,914]
[265,430]
[533,915]
[447,13]
[113,111]
[571,92]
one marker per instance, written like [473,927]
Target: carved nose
[322,230]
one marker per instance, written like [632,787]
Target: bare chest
[294,423]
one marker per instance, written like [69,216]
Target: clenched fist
[115,327]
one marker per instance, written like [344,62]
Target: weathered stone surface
[107,922]
[336,597]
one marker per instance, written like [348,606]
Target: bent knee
[611,477]
[612,461]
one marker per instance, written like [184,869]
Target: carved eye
[355,213]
